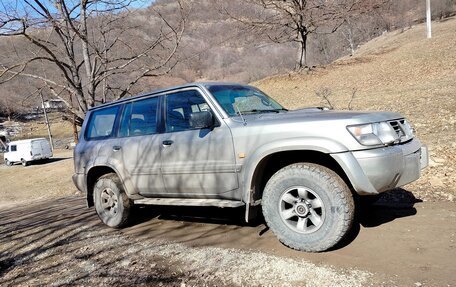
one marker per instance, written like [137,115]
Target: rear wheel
[8,163]
[24,162]
[111,202]
[308,207]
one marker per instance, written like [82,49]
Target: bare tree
[86,51]
[295,20]
[326,96]
[352,97]
[356,25]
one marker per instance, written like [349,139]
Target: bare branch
[85,43]
[353,95]
[324,93]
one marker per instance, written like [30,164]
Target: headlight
[374,134]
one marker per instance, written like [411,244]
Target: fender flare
[318,144]
[110,163]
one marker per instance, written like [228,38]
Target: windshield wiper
[254,111]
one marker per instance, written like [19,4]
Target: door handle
[167,142]
[116,148]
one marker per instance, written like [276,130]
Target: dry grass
[402,72]
[60,129]
[38,181]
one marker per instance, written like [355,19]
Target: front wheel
[308,206]
[111,202]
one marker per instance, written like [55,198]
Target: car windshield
[236,99]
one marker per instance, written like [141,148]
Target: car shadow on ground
[369,214]
[207,215]
[373,212]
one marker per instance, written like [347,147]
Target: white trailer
[26,151]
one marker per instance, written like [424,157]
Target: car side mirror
[201,120]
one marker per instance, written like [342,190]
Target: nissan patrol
[230,145]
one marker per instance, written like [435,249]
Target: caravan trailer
[26,151]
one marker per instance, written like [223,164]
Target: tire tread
[113,180]
[340,189]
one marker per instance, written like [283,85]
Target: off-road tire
[8,163]
[24,162]
[118,214]
[334,196]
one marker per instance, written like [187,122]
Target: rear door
[198,163]
[139,143]
[100,143]
[36,148]
[46,148]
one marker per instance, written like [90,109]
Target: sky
[22,6]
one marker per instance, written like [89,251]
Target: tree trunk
[86,55]
[75,130]
[302,52]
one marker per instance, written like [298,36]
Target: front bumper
[381,169]
[79,182]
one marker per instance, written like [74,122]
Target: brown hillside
[399,71]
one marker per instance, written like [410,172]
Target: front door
[13,154]
[198,163]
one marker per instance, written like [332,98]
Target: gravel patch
[84,257]
[256,269]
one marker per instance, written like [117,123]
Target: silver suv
[230,145]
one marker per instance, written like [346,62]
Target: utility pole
[428,19]
[47,122]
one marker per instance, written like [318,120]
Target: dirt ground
[49,237]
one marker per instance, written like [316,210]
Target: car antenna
[242,117]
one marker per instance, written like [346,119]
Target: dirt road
[49,237]
[60,242]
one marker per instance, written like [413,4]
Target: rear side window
[13,148]
[101,123]
[139,118]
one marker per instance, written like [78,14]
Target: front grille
[403,130]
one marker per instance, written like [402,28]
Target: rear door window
[101,123]
[139,118]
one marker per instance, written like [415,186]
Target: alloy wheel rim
[109,202]
[301,209]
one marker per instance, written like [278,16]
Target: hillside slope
[402,72]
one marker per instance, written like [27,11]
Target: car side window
[13,148]
[179,106]
[139,118]
[101,123]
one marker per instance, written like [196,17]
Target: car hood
[316,114]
